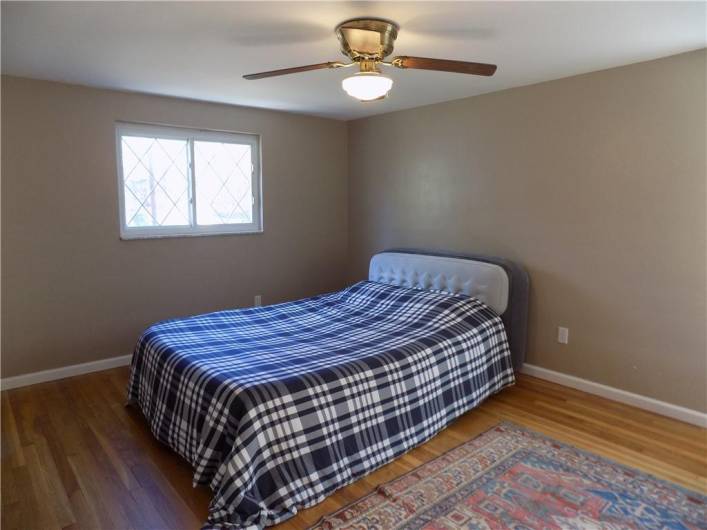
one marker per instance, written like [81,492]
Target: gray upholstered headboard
[501,284]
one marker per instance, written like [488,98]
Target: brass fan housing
[367,39]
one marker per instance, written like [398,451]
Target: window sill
[132,237]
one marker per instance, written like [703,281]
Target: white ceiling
[200,50]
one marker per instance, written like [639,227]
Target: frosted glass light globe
[367,86]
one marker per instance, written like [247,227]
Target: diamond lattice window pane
[224,187]
[156,185]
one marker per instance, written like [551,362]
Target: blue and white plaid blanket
[277,407]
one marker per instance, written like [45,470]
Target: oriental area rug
[513,478]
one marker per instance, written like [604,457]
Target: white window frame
[191,135]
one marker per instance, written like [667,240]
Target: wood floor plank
[597,444]
[636,442]
[12,454]
[21,513]
[43,468]
[636,420]
[75,457]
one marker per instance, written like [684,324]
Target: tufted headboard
[499,283]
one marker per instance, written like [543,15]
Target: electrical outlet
[563,335]
[258,300]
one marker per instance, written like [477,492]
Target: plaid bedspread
[276,407]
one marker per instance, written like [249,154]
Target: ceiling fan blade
[295,70]
[444,65]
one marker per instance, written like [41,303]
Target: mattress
[277,407]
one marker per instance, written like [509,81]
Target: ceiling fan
[367,42]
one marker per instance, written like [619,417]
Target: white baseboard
[622,396]
[7,383]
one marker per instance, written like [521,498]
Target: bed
[277,407]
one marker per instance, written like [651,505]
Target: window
[180,182]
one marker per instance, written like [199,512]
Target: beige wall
[596,183]
[72,291]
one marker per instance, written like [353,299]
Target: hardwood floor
[73,456]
